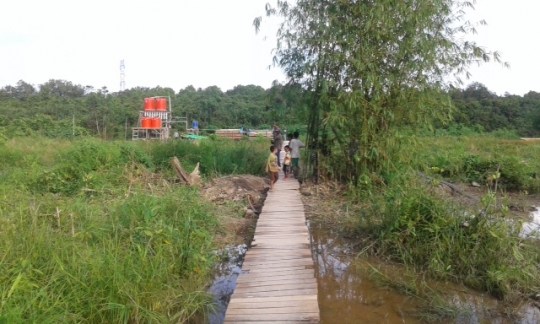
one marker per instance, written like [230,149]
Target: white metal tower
[122,76]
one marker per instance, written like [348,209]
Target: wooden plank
[280,241]
[278,283]
[256,276]
[267,259]
[283,293]
[283,247]
[301,237]
[273,281]
[300,228]
[278,287]
[282,251]
[275,299]
[249,282]
[313,321]
[271,257]
[273,317]
[301,265]
[282,302]
[281,235]
[283,307]
[282,230]
[263,261]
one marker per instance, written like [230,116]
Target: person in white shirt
[295,146]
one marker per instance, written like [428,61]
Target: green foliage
[90,235]
[62,109]
[139,259]
[475,158]
[409,223]
[478,106]
[372,67]
[216,157]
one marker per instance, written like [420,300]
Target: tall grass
[96,232]
[216,156]
[413,222]
[473,158]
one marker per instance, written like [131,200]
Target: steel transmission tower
[122,76]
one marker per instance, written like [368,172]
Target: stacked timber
[236,134]
[233,134]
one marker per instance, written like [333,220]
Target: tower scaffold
[122,76]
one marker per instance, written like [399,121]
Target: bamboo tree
[372,66]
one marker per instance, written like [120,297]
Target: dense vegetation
[99,232]
[90,231]
[60,108]
[452,237]
[378,73]
[50,109]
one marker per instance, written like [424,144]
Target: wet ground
[349,293]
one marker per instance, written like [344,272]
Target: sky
[177,43]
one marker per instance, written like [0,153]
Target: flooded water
[225,281]
[349,294]
[532,227]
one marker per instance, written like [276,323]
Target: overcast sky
[176,43]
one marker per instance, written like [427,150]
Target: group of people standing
[291,149]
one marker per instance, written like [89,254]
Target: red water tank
[149,104]
[158,123]
[161,104]
[146,123]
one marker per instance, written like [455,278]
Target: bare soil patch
[238,200]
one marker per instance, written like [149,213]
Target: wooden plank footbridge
[277,284]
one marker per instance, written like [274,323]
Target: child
[287,162]
[272,167]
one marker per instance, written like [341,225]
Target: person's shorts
[295,162]
[286,168]
[274,176]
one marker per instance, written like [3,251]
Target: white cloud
[175,43]
[169,43]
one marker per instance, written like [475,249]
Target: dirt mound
[236,188]
[239,199]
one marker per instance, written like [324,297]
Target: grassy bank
[402,217]
[98,232]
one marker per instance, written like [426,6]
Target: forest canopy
[50,108]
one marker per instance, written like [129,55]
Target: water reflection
[532,227]
[225,281]
[348,295]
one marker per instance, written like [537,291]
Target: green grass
[97,232]
[401,217]
[473,158]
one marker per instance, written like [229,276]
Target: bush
[416,227]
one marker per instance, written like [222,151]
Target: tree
[371,66]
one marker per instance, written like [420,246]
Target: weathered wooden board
[282,293]
[278,283]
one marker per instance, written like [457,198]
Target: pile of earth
[237,189]
[239,200]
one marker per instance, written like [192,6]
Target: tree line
[60,108]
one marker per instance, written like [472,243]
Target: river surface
[348,292]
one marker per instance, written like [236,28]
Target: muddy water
[225,280]
[348,294]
